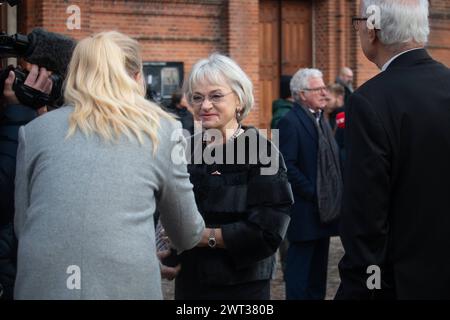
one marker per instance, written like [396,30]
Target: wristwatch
[212,238]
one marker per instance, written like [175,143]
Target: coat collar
[410,58]
[306,121]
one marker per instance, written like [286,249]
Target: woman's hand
[168,273]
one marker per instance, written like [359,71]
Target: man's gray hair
[221,70]
[300,80]
[401,21]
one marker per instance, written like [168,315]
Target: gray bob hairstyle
[218,69]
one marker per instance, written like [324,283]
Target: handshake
[169,264]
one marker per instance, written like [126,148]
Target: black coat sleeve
[365,219]
[13,117]
[8,248]
[269,198]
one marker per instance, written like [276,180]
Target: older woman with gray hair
[246,209]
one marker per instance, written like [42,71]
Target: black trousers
[306,270]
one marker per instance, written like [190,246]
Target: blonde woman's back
[89,203]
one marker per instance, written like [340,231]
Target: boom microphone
[50,50]
[45,49]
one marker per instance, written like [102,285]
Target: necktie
[317,116]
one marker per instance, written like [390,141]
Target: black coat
[396,209]
[184,116]
[13,116]
[253,212]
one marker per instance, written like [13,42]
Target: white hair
[218,69]
[401,21]
[300,81]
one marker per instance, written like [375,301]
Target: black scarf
[329,177]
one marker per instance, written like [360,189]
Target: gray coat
[84,212]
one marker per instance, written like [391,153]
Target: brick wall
[324,38]
[167,29]
[243,44]
[439,42]
[187,30]
[336,43]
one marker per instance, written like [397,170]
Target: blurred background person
[237,259]
[345,79]
[13,114]
[181,109]
[284,104]
[335,104]
[313,168]
[89,178]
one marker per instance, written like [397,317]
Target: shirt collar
[311,110]
[316,114]
[386,65]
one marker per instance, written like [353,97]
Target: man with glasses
[312,160]
[396,214]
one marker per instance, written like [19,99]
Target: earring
[238,113]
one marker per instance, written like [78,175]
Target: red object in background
[340,120]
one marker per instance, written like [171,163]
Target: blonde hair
[101,84]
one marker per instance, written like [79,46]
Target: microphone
[45,49]
[50,50]
[340,120]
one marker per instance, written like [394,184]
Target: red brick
[188,30]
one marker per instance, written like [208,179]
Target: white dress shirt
[386,65]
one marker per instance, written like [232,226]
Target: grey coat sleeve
[21,196]
[176,203]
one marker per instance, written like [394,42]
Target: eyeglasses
[215,98]
[324,89]
[355,22]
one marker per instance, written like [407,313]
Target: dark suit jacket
[298,144]
[396,203]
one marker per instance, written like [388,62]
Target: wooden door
[296,31]
[269,58]
[285,45]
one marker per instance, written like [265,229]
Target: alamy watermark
[74,20]
[73,281]
[251,147]
[374,280]
[373,17]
